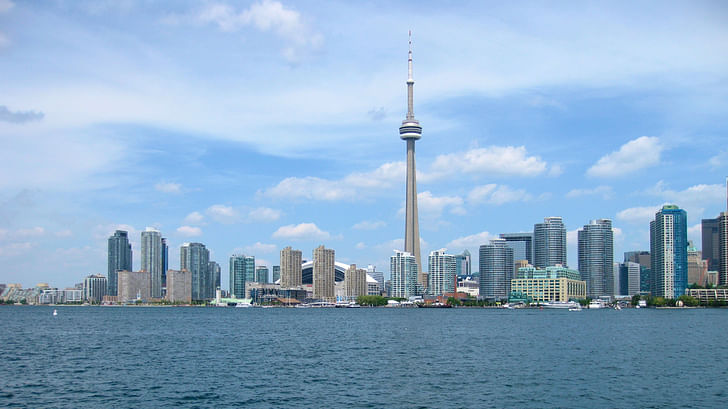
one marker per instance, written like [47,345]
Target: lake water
[474,358]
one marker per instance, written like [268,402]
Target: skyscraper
[214,271]
[276,273]
[723,249]
[242,271]
[119,258]
[356,282]
[94,288]
[165,261]
[669,252]
[152,259]
[496,269]
[596,258]
[441,273]
[711,242]
[549,243]
[291,274]
[411,131]
[404,271]
[522,245]
[643,259]
[323,274]
[195,258]
[463,264]
[261,274]
[629,278]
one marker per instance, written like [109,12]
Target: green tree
[636,299]
[689,301]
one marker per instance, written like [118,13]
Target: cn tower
[411,131]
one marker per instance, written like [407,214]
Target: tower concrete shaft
[411,131]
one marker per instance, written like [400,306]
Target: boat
[353,305]
[55,312]
[617,307]
[595,305]
[243,305]
[560,305]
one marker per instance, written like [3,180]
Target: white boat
[595,305]
[561,305]
[55,312]
[617,307]
[243,305]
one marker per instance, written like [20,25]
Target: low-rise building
[706,295]
[549,284]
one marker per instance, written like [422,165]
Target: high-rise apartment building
[195,258]
[355,280]
[629,278]
[549,243]
[723,249]
[669,252]
[261,274]
[442,277]
[404,271]
[242,271]
[214,271]
[711,242]
[697,267]
[323,274]
[179,286]
[152,259]
[165,261]
[291,273]
[119,258]
[463,264]
[596,257]
[522,245]
[642,258]
[94,288]
[276,271]
[496,269]
[134,286]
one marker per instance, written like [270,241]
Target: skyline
[226,124]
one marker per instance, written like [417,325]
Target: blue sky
[253,125]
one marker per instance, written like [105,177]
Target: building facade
[442,275]
[355,280]
[697,267]
[242,271]
[404,272]
[119,257]
[463,264]
[276,272]
[496,270]
[522,245]
[723,249]
[94,288]
[552,284]
[261,274]
[179,286]
[165,261]
[195,258]
[629,278]
[134,286]
[152,259]
[549,243]
[669,252]
[596,258]
[291,273]
[323,274]
[214,270]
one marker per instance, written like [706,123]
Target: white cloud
[348,188]
[259,247]
[361,245]
[572,238]
[266,15]
[638,215]
[634,155]
[497,194]
[104,231]
[168,187]
[223,214]
[429,205]
[694,199]
[556,170]
[720,160]
[369,225]
[605,192]
[302,231]
[695,233]
[498,160]
[472,241]
[264,214]
[189,231]
[194,218]
[31,232]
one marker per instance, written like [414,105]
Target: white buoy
[55,312]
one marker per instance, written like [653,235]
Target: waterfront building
[522,245]
[715,245]
[596,258]
[549,243]
[291,274]
[195,258]
[94,288]
[133,286]
[323,274]
[165,261]
[377,275]
[242,271]
[463,264]
[214,271]
[261,274]
[557,284]
[706,295]
[668,250]
[642,258]
[697,267]
[179,286]
[629,278]
[276,273]
[152,259]
[723,250]
[411,131]
[470,286]
[119,258]
[373,286]
[355,281]
[442,274]
[496,269]
[403,270]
